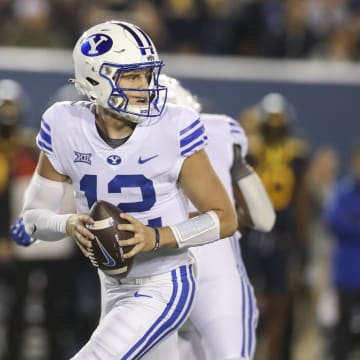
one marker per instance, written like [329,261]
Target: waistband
[153,278]
[144,279]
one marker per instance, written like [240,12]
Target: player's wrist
[166,238]
[157,240]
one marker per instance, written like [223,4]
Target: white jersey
[225,311]
[139,176]
[226,131]
[223,130]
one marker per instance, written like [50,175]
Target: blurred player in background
[275,261]
[127,146]
[225,311]
[70,309]
[43,280]
[321,179]
[17,160]
[343,218]
[16,157]
[43,303]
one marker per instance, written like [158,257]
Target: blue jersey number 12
[88,184]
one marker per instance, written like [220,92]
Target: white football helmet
[277,104]
[107,50]
[277,116]
[177,94]
[14,102]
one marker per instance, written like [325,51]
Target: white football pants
[139,313]
[225,313]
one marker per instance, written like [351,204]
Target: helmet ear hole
[92,81]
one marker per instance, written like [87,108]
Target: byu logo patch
[82,157]
[96,44]
[113,160]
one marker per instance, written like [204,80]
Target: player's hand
[76,229]
[143,239]
[19,235]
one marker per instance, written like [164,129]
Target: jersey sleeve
[238,136]
[192,135]
[46,137]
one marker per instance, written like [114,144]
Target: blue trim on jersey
[43,146]
[235,127]
[192,125]
[191,137]
[45,136]
[236,131]
[197,135]
[179,308]
[159,320]
[45,124]
[186,151]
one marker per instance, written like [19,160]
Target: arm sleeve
[258,203]
[41,206]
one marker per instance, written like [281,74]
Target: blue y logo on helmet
[96,44]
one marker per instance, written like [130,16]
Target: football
[106,253]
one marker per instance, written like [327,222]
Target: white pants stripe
[139,313]
[249,319]
[171,319]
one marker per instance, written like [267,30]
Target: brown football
[106,253]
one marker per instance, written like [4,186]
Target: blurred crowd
[325,29]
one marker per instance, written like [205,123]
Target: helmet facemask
[118,100]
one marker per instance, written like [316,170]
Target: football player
[280,156]
[225,313]
[128,147]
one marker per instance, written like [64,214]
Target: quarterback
[128,147]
